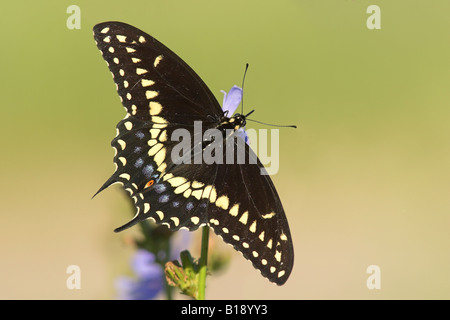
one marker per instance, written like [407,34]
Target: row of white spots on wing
[163,136]
[195,220]
[176,221]
[162,167]
[160,214]
[194,188]
[261,236]
[212,194]
[121,38]
[123,160]
[244,218]
[182,188]
[152,142]
[197,193]
[128,125]
[155,107]
[254,253]
[223,202]
[160,157]
[125,176]
[278,256]
[197,184]
[135,199]
[177,181]
[159,122]
[252,227]
[157,60]
[234,210]
[147,83]
[122,144]
[154,133]
[269,215]
[140,71]
[115,151]
[150,94]
[153,150]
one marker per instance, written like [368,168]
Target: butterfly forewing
[152,80]
[161,94]
[251,218]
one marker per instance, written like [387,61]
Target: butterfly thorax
[236,122]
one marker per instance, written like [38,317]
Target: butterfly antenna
[243,80]
[273,125]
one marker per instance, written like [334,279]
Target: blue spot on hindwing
[189,206]
[148,170]
[140,135]
[164,198]
[159,188]
[139,162]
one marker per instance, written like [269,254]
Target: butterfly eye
[149,184]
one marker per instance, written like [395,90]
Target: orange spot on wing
[149,184]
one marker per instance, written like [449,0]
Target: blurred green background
[364,180]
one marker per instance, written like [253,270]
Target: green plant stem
[203,264]
[168,288]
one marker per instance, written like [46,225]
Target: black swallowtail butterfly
[161,93]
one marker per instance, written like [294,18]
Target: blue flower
[148,281]
[230,103]
[231,100]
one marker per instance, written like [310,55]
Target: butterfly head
[237,121]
